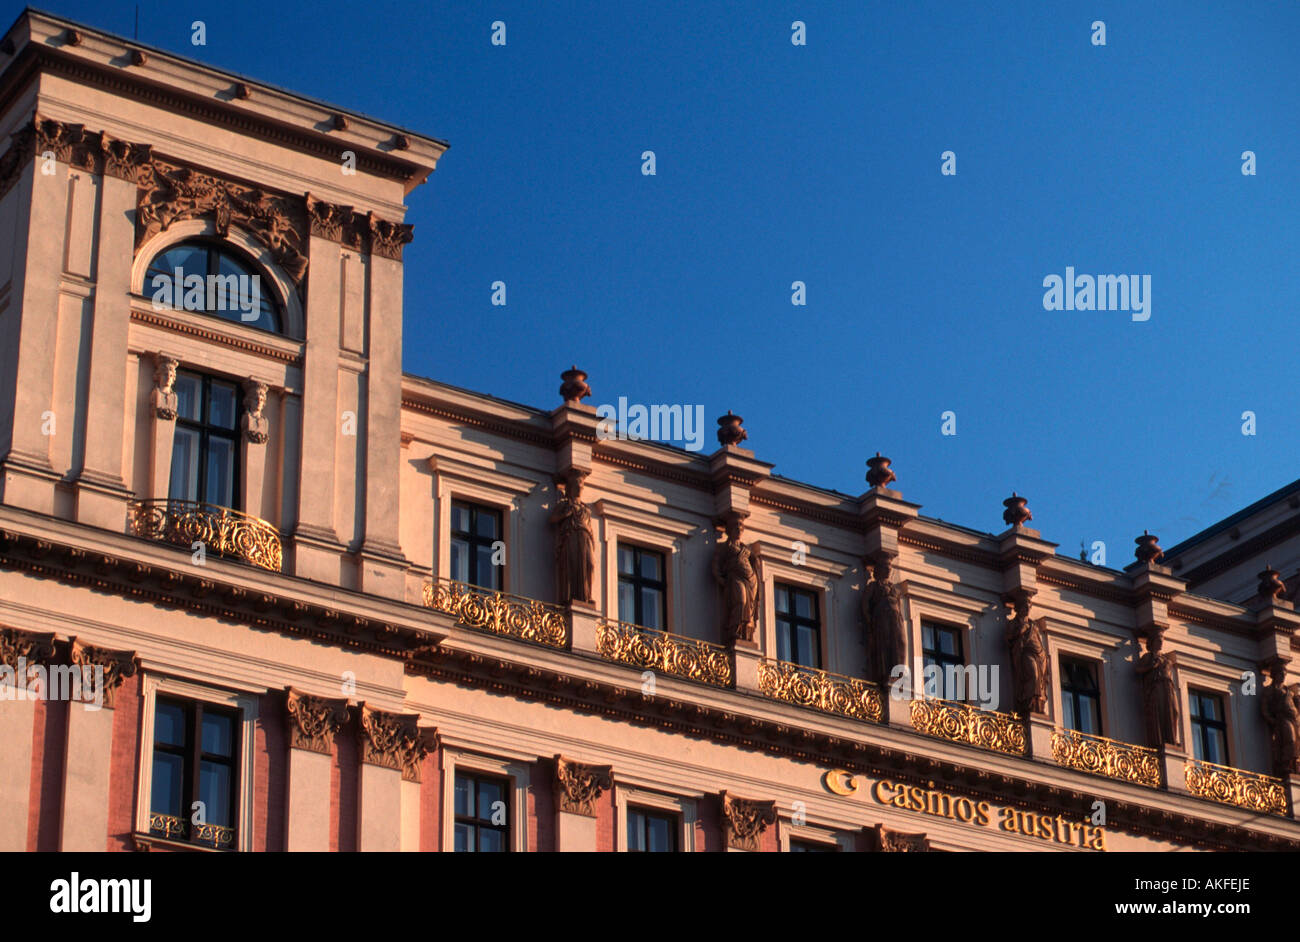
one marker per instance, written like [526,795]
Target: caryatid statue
[1280,705]
[738,572]
[1030,666]
[1159,694]
[882,612]
[163,396]
[575,544]
[254,422]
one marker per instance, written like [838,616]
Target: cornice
[33,59]
[175,325]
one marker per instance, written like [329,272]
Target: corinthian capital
[578,785]
[314,720]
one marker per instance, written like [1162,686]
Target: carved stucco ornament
[393,741]
[255,425]
[744,820]
[578,785]
[314,721]
[115,666]
[33,647]
[884,840]
[163,397]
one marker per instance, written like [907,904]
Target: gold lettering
[1009,822]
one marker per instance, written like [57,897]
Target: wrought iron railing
[1221,783]
[651,649]
[961,722]
[502,614]
[170,827]
[220,530]
[821,690]
[1098,755]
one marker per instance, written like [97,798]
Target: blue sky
[821,164]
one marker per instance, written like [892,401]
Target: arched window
[211,278]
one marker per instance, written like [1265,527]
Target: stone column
[381,563]
[316,542]
[27,477]
[577,787]
[19,650]
[392,748]
[744,820]
[89,745]
[313,724]
[101,491]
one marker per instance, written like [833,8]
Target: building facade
[260,590]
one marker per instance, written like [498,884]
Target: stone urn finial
[879,473]
[1017,512]
[1271,585]
[574,388]
[729,429]
[1148,548]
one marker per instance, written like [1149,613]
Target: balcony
[650,649]
[1109,758]
[960,722]
[821,690]
[499,613]
[1251,790]
[222,531]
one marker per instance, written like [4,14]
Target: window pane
[188,391]
[460,518]
[635,830]
[651,566]
[489,795]
[185,465]
[927,637]
[1067,709]
[460,560]
[214,792]
[660,836]
[221,472]
[167,784]
[218,734]
[626,602]
[807,647]
[485,524]
[169,724]
[652,607]
[626,561]
[222,405]
[464,839]
[948,642]
[464,796]
[487,573]
[783,652]
[803,604]
[782,599]
[490,841]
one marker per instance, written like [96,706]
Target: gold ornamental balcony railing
[961,722]
[178,829]
[1098,755]
[511,615]
[651,649]
[221,530]
[1221,783]
[821,690]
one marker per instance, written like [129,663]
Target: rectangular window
[812,847]
[941,646]
[194,775]
[1209,731]
[798,626]
[205,445]
[651,831]
[1080,696]
[482,809]
[475,531]
[641,587]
